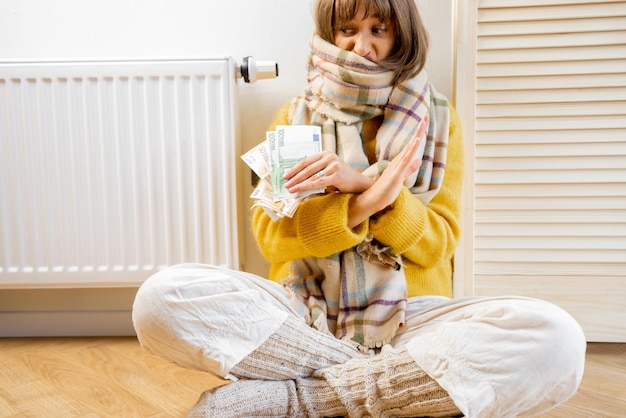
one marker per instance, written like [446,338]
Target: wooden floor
[114,377]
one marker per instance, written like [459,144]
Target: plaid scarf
[360,293]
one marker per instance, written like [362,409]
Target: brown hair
[408,56]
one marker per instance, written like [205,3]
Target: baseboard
[66,324]
[66,312]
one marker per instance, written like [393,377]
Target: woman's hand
[388,186]
[325,170]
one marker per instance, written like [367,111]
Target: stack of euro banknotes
[270,159]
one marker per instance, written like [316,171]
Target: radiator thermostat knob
[253,70]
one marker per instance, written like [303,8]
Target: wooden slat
[551,123]
[539,241]
[540,215]
[551,177]
[485,4]
[578,207]
[599,135]
[547,190]
[552,55]
[517,69]
[551,12]
[547,150]
[548,27]
[527,261]
[559,82]
[528,229]
[560,268]
[603,101]
[543,40]
[523,163]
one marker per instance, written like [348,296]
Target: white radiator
[110,171]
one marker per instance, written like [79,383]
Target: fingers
[408,161]
[301,182]
[302,165]
[308,177]
[423,125]
[316,181]
[420,136]
[417,139]
[310,172]
[307,167]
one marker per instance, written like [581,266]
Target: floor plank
[114,377]
[602,392]
[100,377]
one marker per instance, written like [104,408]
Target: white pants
[496,357]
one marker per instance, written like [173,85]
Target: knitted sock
[389,384]
[249,398]
[294,350]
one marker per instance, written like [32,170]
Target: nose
[362,44]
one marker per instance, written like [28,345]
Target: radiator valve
[253,70]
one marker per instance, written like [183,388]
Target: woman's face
[366,36]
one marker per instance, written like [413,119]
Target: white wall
[266,29]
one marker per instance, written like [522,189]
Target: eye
[379,30]
[346,30]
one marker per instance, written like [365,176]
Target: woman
[362,324]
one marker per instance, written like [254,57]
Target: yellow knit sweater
[425,235]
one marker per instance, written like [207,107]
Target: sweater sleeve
[319,228]
[427,234]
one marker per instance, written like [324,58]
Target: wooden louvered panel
[549,166]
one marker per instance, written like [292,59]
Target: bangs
[345,10]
